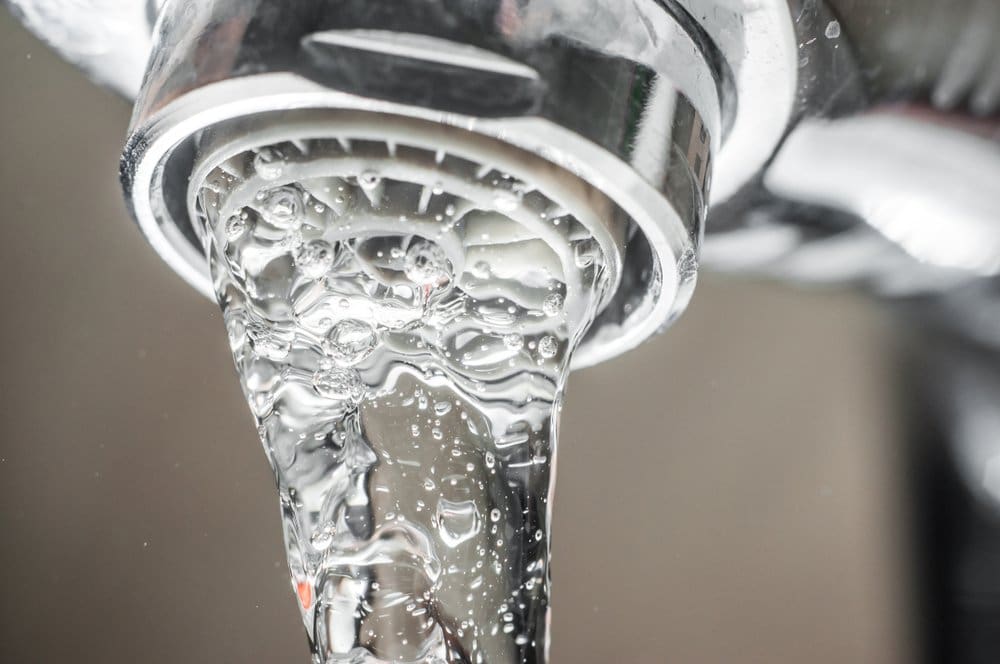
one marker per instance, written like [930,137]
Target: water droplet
[457,522]
[426,264]
[832,30]
[339,384]
[350,342]
[548,347]
[553,304]
[282,207]
[315,258]
[513,341]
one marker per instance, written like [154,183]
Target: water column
[402,320]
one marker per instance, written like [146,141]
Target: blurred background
[759,443]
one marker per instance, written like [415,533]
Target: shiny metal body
[642,100]
[636,120]
[792,79]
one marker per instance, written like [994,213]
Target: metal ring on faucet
[627,103]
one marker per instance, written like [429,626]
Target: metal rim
[670,282]
[757,39]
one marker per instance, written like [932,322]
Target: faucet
[814,141]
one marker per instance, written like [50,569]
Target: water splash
[405,372]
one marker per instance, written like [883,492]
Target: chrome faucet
[814,141]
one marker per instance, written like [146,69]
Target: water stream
[404,349]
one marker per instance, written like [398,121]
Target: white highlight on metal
[422,47]
[928,188]
[757,38]
[225,100]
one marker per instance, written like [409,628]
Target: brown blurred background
[728,494]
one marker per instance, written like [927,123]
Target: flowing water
[404,349]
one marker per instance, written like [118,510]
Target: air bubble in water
[553,304]
[315,258]
[457,522]
[268,342]
[350,342]
[548,347]
[339,384]
[282,207]
[236,225]
[513,341]
[323,537]
[426,264]
[585,253]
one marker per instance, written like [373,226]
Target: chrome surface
[632,103]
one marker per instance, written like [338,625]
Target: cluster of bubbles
[404,369]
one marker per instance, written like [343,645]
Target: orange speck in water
[305,593]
